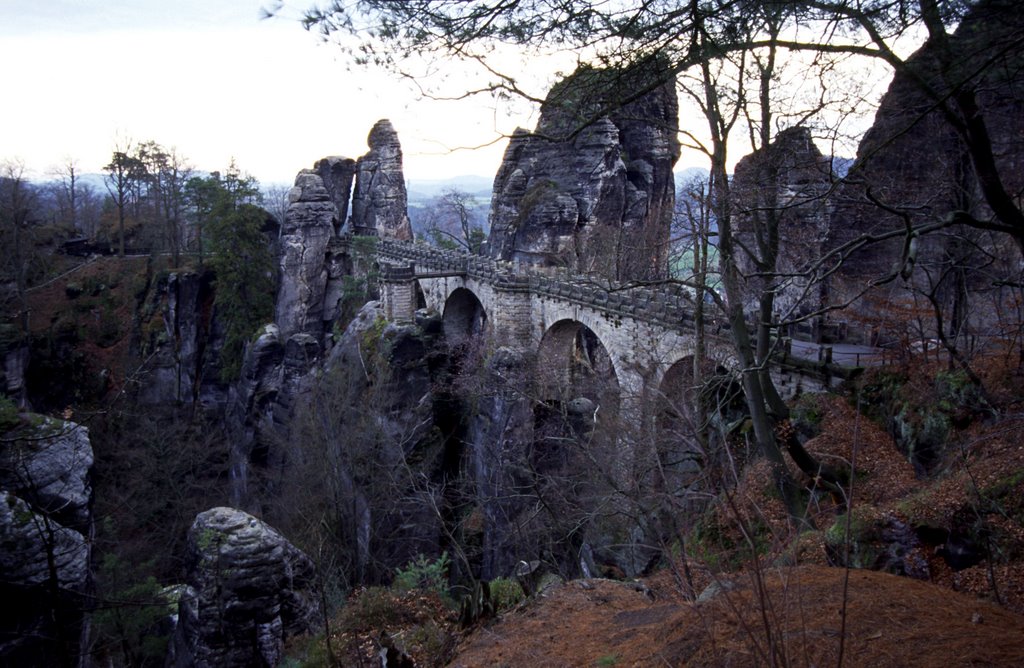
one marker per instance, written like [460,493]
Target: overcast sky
[213,80]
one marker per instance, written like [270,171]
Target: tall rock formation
[45,547]
[380,201]
[914,164]
[782,187]
[592,195]
[249,590]
[308,227]
[260,407]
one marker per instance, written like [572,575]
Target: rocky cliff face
[783,187]
[260,406]
[14,359]
[45,530]
[182,340]
[373,407]
[248,590]
[380,201]
[913,162]
[337,173]
[595,196]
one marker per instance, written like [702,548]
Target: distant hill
[426,189]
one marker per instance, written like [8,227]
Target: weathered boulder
[308,227]
[29,538]
[783,186]
[337,173]
[380,201]
[45,519]
[249,590]
[50,469]
[913,162]
[592,195]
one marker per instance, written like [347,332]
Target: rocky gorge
[355,446]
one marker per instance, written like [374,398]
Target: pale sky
[214,81]
[211,79]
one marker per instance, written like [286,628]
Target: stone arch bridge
[647,332]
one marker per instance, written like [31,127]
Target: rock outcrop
[783,186]
[380,201]
[248,590]
[181,340]
[308,227]
[14,359]
[337,173]
[45,524]
[273,376]
[50,469]
[592,195]
[913,162]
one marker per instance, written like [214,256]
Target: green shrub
[506,593]
[808,414]
[9,418]
[415,621]
[424,574]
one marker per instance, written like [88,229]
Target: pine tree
[241,260]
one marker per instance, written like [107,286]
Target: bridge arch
[571,357]
[578,390]
[676,423]
[464,317]
[419,295]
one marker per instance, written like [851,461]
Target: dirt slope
[891,621]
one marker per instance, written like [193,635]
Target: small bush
[506,594]
[9,418]
[417,622]
[425,575]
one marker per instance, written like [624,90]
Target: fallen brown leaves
[796,620]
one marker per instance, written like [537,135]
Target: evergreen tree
[241,259]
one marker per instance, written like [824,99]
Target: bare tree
[275,200]
[16,201]
[124,173]
[451,221]
[69,197]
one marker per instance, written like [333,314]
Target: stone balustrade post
[398,293]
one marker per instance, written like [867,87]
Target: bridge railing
[665,305]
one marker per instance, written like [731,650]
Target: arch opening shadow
[421,298]
[464,318]
[579,397]
[678,423]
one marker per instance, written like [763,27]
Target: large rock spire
[592,195]
[380,201]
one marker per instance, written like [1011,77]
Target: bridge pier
[398,293]
[512,313]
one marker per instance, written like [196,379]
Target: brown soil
[52,308]
[890,621]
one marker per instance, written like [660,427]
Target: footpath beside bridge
[647,331]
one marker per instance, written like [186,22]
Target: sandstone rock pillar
[249,589]
[380,201]
[308,227]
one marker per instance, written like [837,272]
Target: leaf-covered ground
[950,536]
[796,618]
